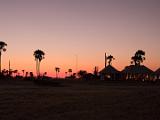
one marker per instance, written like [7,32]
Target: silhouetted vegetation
[82,73]
[96,72]
[110,58]
[39,55]
[23,72]
[57,69]
[138,58]
[108,73]
[2,49]
[70,72]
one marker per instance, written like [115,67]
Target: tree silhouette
[39,55]
[66,73]
[45,74]
[57,69]
[109,59]
[95,71]
[31,74]
[70,71]
[2,49]
[74,75]
[138,58]
[15,73]
[4,72]
[82,73]
[23,72]
[26,74]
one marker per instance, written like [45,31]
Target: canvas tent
[138,72]
[109,73]
[157,73]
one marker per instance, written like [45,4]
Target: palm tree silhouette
[66,73]
[26,74]
[15,73]
[138,58]
[23,72]
[45,73]
[70,71]
[2,49]
[57,69]
[109,59]
[39,55]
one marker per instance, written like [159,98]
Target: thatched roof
[109,70]
[157,71]
[132,69]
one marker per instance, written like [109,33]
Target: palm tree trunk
[37,67]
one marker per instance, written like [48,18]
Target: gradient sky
[64,29]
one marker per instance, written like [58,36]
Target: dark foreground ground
[24,100]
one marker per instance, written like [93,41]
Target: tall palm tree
[110,58]
[2,49]
[138,58]
[39,55]
[57,69]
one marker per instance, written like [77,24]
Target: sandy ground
[23,100]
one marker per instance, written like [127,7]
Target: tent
[109,72]
[157,73]
[138,72]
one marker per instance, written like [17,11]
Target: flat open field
[24,100]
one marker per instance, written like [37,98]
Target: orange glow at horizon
[86,29]
[48,66]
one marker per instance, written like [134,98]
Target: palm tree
[57,69]
[2,49]
[26,74]
[39,55]
[15,73]
[110,58]
[23,72]
[66,73]
[31,74]
[138,58]
[70,71]
[45,73]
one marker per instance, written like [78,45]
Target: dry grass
[24,100]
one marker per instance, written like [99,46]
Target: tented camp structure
[157,73]
[109,73]
[137,72]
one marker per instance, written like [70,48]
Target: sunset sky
[82,29]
